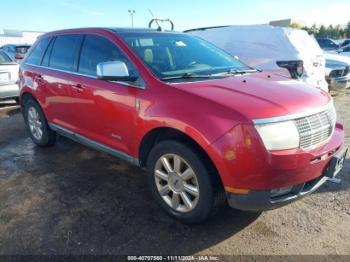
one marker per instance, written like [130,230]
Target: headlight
[279,136]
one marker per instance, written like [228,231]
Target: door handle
[78,87]
[39,78]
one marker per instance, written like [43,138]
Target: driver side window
[97,49]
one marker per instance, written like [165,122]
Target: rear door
[60,65]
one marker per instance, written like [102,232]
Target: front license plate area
[337,163]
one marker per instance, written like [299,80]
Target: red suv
[207,128]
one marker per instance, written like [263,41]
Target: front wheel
[181,183]
[37,125]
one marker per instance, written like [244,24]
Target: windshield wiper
[228,72]
[187,76]
[236,72]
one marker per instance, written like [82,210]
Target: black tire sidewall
[47,136]
[206,198]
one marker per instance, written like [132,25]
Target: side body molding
[93,144]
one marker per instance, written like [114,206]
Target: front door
[104,111]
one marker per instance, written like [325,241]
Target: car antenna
[157,20]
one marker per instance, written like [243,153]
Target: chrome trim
[261,121]
[119,66]
[93,144]
[301,194]
[90,76]
[342,82]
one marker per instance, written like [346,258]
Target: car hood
[258,95]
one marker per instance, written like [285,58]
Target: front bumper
[243,162]
[258,200]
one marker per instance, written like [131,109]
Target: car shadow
[69,199]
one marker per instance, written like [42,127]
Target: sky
[48,15]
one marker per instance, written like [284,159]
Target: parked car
[337,70]
[207,128]
[16,52]
[345,50]
[344,43]
[8,78]
[285,51]
[327,44]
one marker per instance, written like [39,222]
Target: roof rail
[205,28]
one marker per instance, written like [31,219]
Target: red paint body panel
[253,167]
[217,114]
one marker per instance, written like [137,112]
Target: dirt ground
[69,199]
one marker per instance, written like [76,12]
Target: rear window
[36,55]
[65,52]
[4,59]
[9,48]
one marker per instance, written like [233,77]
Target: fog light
[281,191]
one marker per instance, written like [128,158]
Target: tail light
[295,67]
[18,57]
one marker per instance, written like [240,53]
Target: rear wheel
[37,125]
[181,182]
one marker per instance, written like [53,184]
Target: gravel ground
[69,199]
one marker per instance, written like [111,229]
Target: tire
[46,137]
[209,189]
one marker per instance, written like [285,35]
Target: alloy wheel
[34,123]
[176,182]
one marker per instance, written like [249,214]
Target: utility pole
[132,12]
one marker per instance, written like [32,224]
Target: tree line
[335,32]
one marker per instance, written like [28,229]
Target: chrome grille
[316,129]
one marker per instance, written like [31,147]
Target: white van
[286,51]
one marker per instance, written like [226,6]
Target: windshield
[174,56]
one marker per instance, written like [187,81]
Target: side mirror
[114,71]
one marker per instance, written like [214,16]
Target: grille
[340,72]
[315,130]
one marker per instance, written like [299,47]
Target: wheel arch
[25,97]
[159,134]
